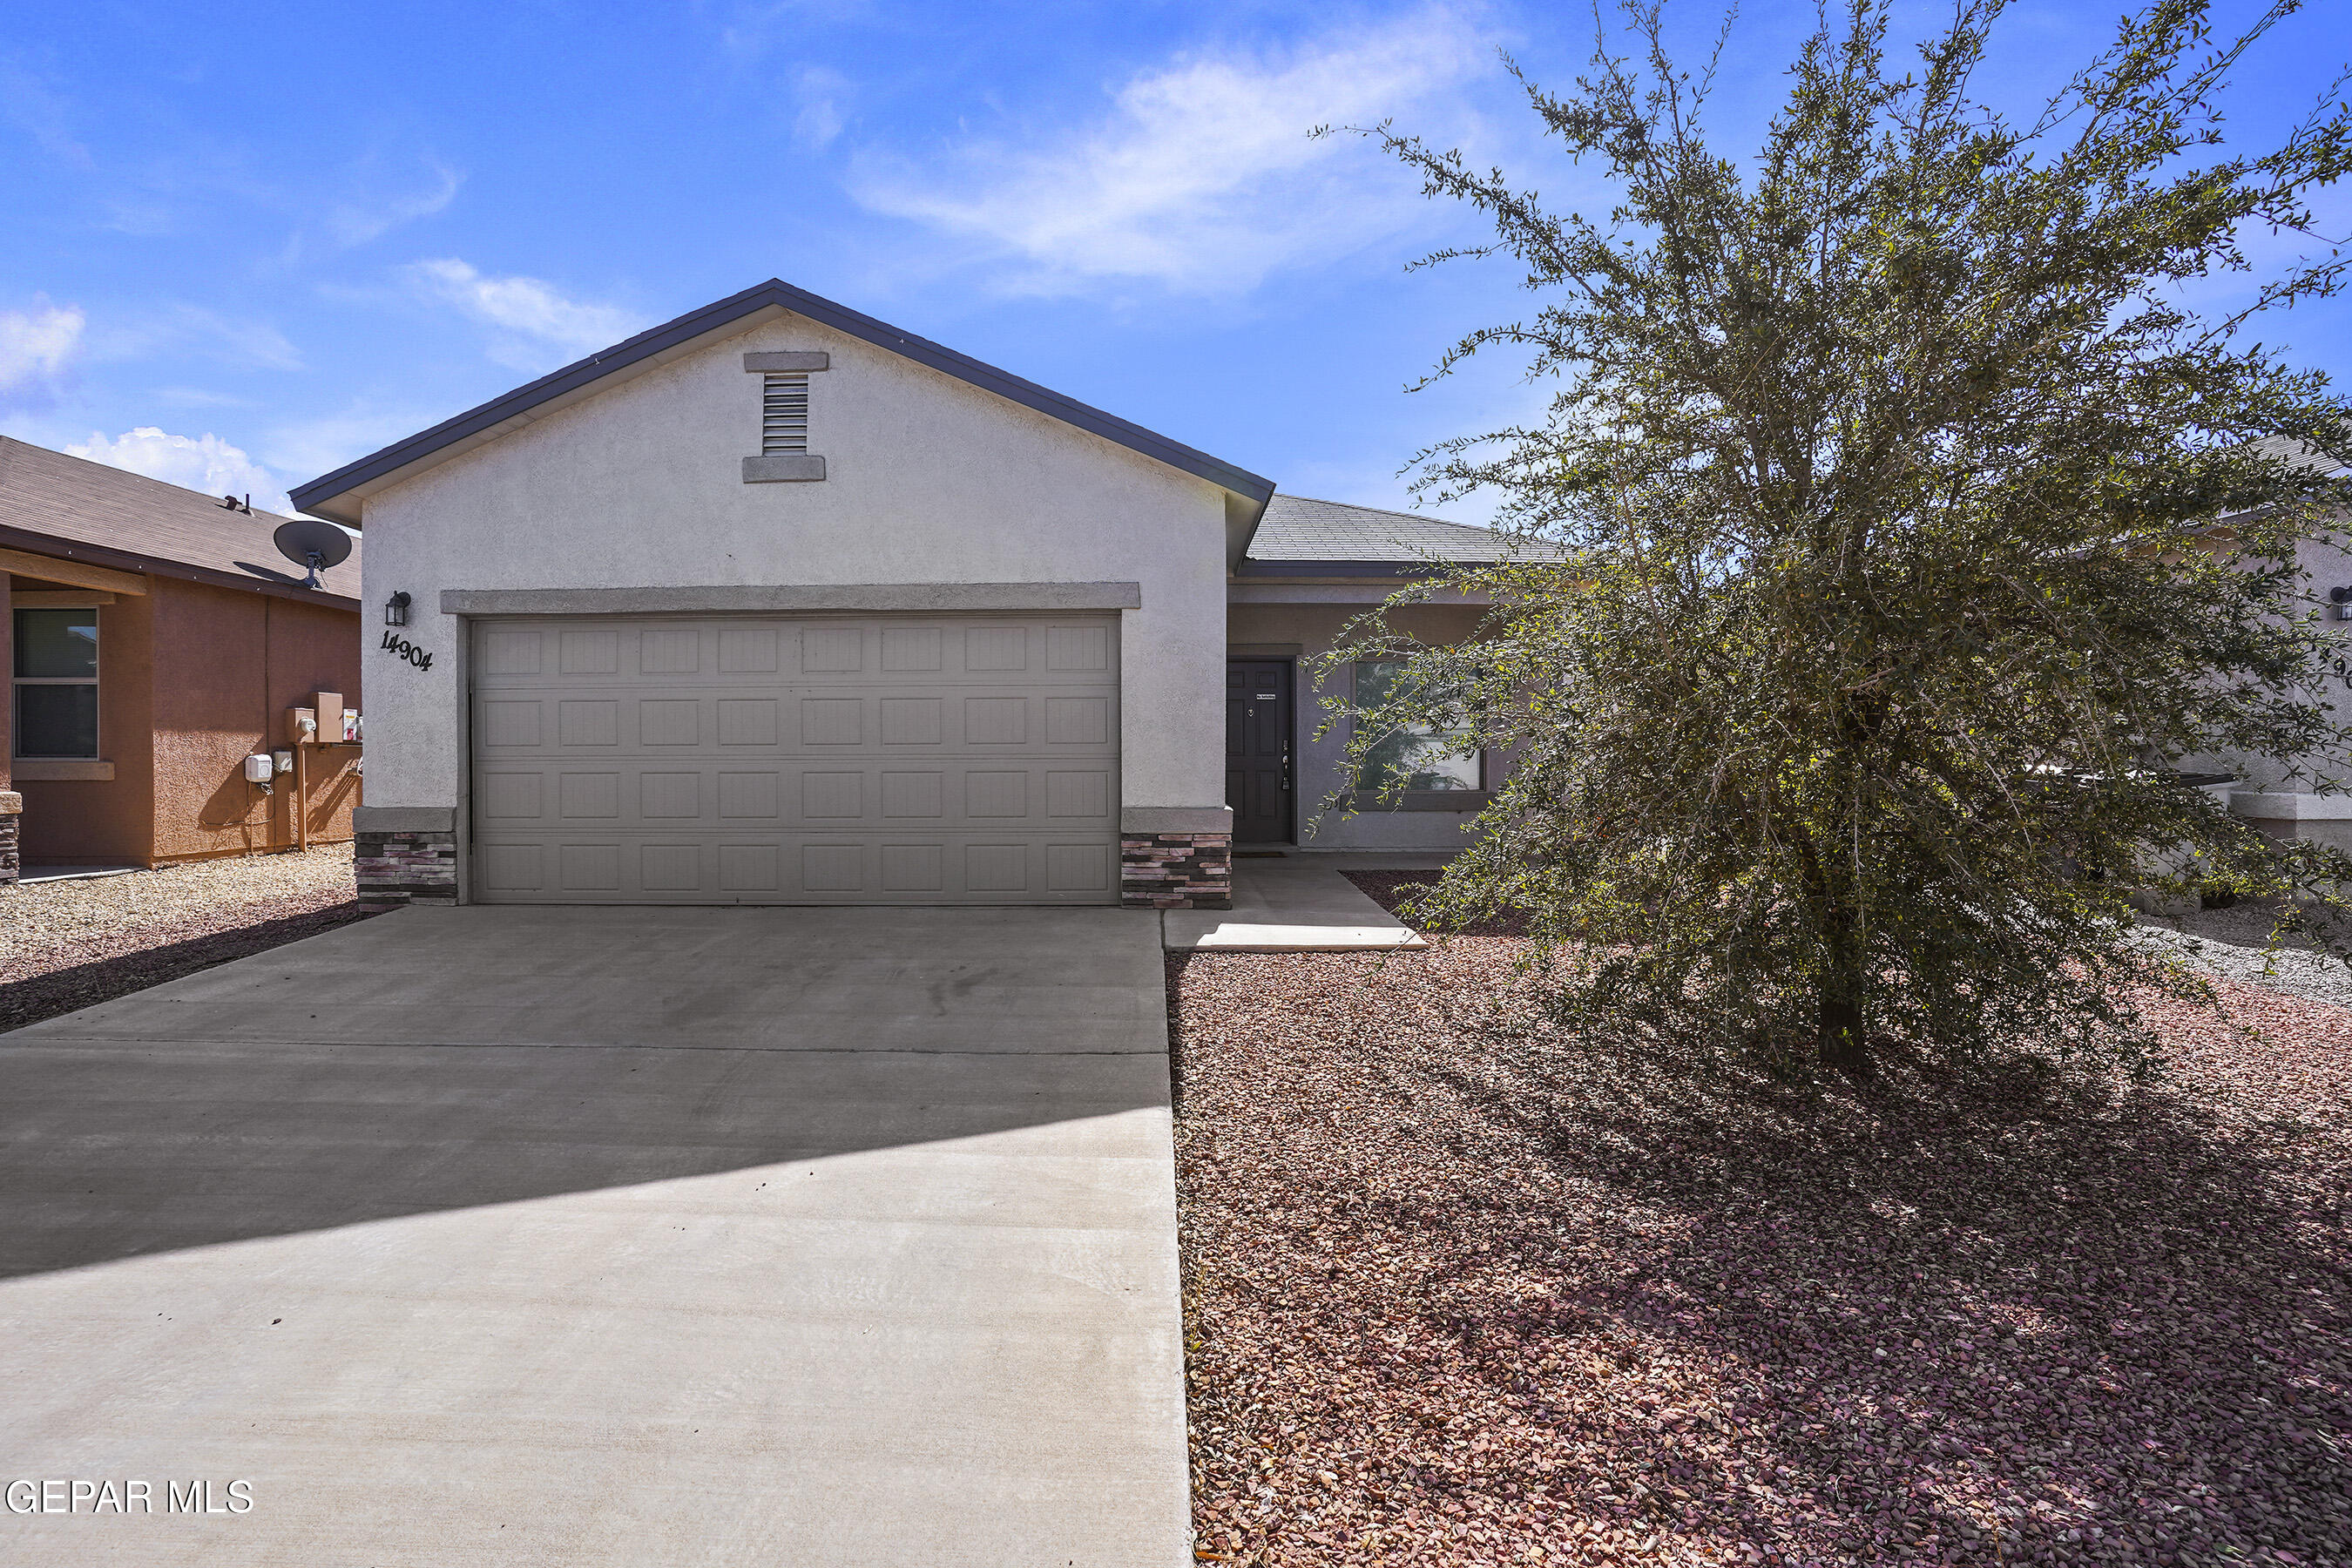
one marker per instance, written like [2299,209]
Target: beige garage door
[797,759]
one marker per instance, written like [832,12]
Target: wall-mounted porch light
[396,610]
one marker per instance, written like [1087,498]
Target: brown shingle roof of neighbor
[53,504]
[1300,529]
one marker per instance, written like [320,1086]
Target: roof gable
[339,495]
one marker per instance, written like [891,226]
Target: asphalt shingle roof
[2296,451]
[1298,528]
[72,498]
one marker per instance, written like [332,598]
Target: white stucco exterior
[928,480]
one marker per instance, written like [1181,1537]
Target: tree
[1922,531]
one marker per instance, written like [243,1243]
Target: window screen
[1411,756]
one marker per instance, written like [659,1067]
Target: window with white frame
[57,683]
[1411,756]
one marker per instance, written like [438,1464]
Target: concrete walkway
[1299,903]
[587,1237]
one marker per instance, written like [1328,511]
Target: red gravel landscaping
[1460,1290]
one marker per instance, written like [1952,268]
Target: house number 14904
[408,651]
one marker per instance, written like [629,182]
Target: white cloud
[357,221]
[310,447]
[192,328]
[537,328]
[28,102]
[203,463]
[1202,177]
[819,95]
[199,397]
[35,347]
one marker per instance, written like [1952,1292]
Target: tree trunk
[1838,996]
[1837,1020]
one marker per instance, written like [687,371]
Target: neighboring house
[2280,806]
[2299,798]
[777,604]
[156,639]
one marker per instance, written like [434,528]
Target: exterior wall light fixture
[396,609]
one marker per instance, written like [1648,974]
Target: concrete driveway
[591,1236]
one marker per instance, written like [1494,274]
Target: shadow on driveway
[61,991]
[445,1059]
[608,1237]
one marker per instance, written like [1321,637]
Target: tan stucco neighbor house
[777,604]
[151,641]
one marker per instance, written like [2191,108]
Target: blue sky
[249,243]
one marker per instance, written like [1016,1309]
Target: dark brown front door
[1257,749]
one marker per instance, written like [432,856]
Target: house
[778,603]
[157,638]
[2282,796]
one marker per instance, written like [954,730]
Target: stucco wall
[106,821]
[229,666]
[1318,770]
[7,679]
[192,678]
[2328,567]
[928,480]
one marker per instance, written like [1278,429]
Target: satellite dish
[308,542]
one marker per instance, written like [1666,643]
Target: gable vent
[783,412]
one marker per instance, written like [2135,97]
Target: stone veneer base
[1176,870]
[396,868]
[11,806]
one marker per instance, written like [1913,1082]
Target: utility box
[302,726]
[329,707]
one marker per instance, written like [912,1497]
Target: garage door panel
[687,795]
[978,868]
[753,868]
[849,760]
[831,794]
[511,724]
[669,650]
[1080,649]
[588,723]
[748,720]
[589,796]
[511,651]
[798,723]
[515,797]
[749,650]
[588,652]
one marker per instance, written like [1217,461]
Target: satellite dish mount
[312,545]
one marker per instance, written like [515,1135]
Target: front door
[1257,749]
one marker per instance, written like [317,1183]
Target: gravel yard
[1462,1291]
[71,945]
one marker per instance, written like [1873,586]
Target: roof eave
[50,544]
[1353,569]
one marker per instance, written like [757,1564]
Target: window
[57,683]
[784,412]
[1411,756]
